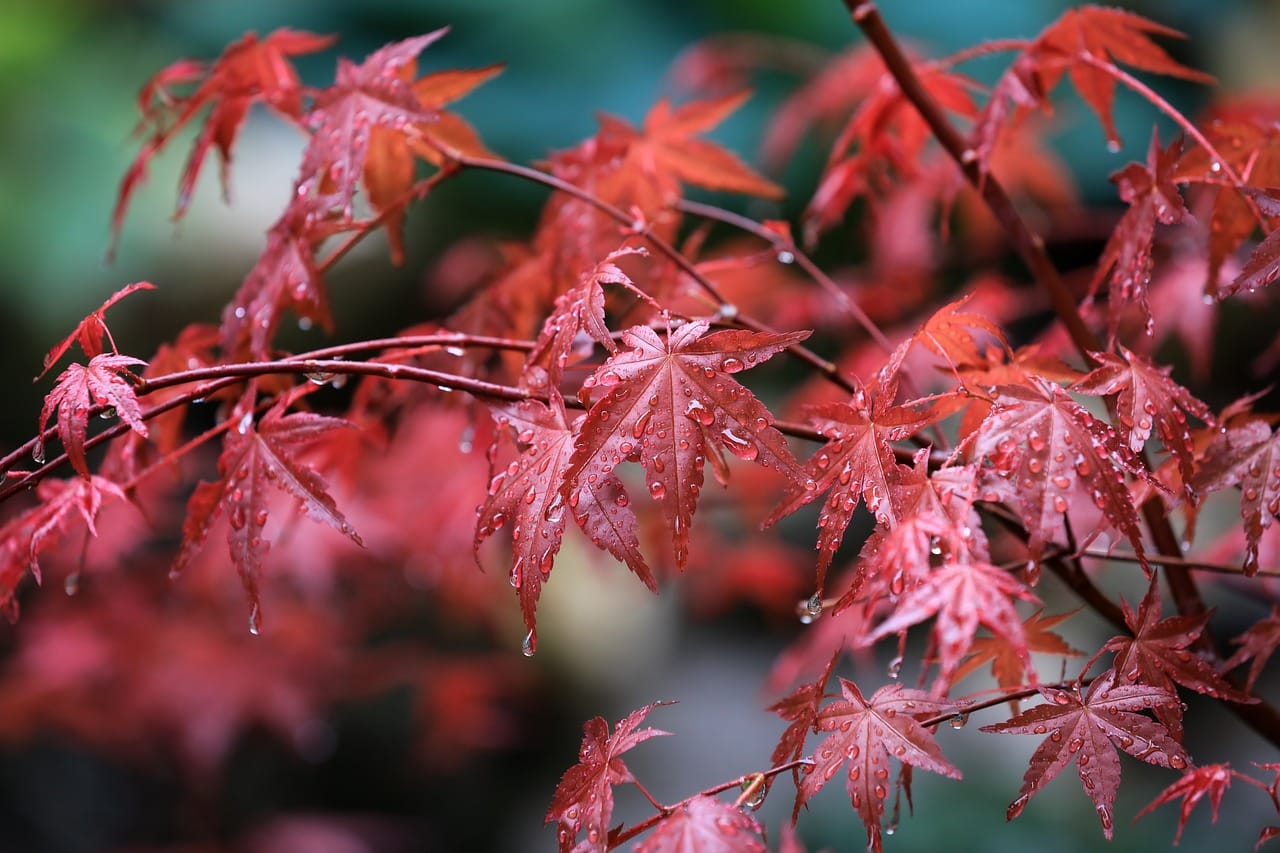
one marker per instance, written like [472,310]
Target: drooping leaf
[256,459]
[856,464]
[865,733]
[1148,399]
[90,331]
[668,404]
[23,537]
[800,709]
[1126,263]
[584,797]
[1082,44]
[529,494]
[250,70]
[1047,446]
[962,595]
[1257,644]
[1006,661]
[79,388]
[1087,728]
[1211,780]
[1247,455]
[708,824]
[363,97]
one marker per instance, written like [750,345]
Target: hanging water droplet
[246,421]
[810,609]
[254,619]
[895,667]
[958,721]
[1113,145]
[756,798]
[108,413]
[72,584]
[785,257]
[37,452]
[727,311]
[318,377]
[529,646]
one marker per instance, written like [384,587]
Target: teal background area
[68,75]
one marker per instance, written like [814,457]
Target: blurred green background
[68,75]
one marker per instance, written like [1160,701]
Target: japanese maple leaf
[669,403]
[105,381]
[1257,644]
[1048,445]
[948,333]
[962,595]
[249,71]
[800,709]
[1263,266]
[1148,399]
[856,464]
[1007,663]
[704,823]
[865,733]
[530,495]
[584,797]
[257,458]
[389,164]
[1157,655]
[23,538]
[91,330]
[1211,780]
[1152,197]
[665,152]
[1087,729]
[1085,44]
[1248,455]
[363,97]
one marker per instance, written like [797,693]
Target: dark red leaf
[705,824]
[1212,781]
[104,382]
[1247,455]
[90,331]
[1257,644]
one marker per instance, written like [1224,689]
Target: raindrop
[658,490]
[732,365]
[72,583]
[37,452]
[254,620]
[785,257]
[318,377]
[1113,145]
[108,413]
[895,667]
[456,352]
[728,311]
[958,721]
[810,609]
[529,645]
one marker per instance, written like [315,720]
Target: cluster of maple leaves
[602,365]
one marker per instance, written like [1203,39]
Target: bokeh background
[68,75]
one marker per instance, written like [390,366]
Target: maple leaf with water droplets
[104,382]
[1047,444]
[584,797]
[1211,780]
[962,595]
[865,733]
[1087,729]
[530,495]
[256,459]
[1257,644]
[800,707]
[90,331]
[1126,259]
[22,538]
[1263,266]
[1157,655]
[1148,398]
[705,824]
[1248,455]
[667,404]
[857,463]
[371,94]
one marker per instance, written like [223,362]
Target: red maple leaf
[1087,729]
[1152,197]
[865,733]
[23,538]
[249,71]
[1148,399]
[665,152]
[529,495]
[363,97]
[1248,455]
[962,595]
[668,404]
[1007,663]
[1048,445]
[948,333]
[104,382]
[1084,43]
[1257,644]
[91,330]
[800,708]
[584,797]
[705,824]
[1211,780]
[256,459]
[1263,266]
[856,464]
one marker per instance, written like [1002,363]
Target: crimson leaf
[1250,456]
[103,382]
[705,824]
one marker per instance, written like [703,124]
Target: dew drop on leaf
[658,490]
